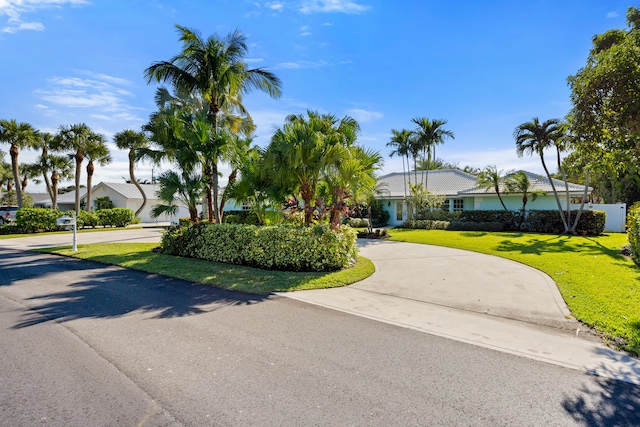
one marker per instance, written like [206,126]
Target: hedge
[290,248]
[633,230]
[31,220]
[535,221]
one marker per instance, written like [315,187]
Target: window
[246,206]
[458,205]
[398,211]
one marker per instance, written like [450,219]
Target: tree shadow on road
[608,402]
[98,291]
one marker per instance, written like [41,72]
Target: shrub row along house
[462,193]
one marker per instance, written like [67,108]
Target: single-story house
[462,193]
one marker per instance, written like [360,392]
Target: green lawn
[600,285]
[139,256]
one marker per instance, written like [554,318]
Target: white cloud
[14,10]
[275,6]
[101,97]
[301,64]
[612,14]
[328,6]
[364,116]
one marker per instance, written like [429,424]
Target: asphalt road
[86,344]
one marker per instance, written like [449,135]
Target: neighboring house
[462,193]
[67,201]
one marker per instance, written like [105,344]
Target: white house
[462,192]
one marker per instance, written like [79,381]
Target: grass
[600,286]
[80,230]
[138,256]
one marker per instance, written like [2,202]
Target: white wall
[616,215]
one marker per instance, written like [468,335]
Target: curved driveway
[466,296]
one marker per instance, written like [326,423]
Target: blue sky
[486,67]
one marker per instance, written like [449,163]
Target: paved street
[86,344]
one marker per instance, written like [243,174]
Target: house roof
[449,182]
[130,191]
[538,182]
[452,182]
[70,197]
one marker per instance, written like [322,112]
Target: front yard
[600,285]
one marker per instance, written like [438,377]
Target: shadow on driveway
[64,289]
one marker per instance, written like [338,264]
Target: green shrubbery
[358,222]
[31,220]
[535,221]
[316,248]
[633,230]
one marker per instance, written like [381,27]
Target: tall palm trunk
[79,158]
[555,193]
[566,187]
[307,194]
[132,161]
[232,179]
[16,175]
[90,170]
[54,189]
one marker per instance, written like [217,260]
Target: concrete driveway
[461,295]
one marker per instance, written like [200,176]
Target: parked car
[8,214]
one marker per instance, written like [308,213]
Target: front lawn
[599,284]
[138,256]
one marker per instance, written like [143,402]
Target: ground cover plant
[600,285]
[139,256]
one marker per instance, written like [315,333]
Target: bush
[31,220]
[290,248]
[358,222]
[633,230]
[116,217]
[476,226]
[88,219]
[426,224]
[591,222]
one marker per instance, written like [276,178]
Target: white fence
[616,215]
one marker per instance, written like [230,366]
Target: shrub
[87,219]
[357,222]
[633,230]
[289,248]
[116,217]
[476,226]
[591,222]
[31,220]
[426,224]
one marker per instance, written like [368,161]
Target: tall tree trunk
[90,170]
[555,193]
[584,197]
[16,175]
[132,161]
[47,183]
[79,158]
[54,189]
[497,188]
[307,194]
[566,187]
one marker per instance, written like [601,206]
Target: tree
[60,168]
[428,134]
[422,201]
[96,151]
[76,138]
[133,141]
[19,136]
[490,178]
[216,69]
[302,150]
[606,92]
[186,186]
[29,171]
[519,183]
[6,175]
[533,138]
[401,141]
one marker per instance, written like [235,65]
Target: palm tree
[29,171]
[77,139]
[428,134]
[216,69]
[400,139]
[188,188]
[302,149]
[133,141]
[533,138]
[19,136]
[60,168]
[490,178]
[97,151]
[519,183]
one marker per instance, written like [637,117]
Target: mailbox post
[70,223]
